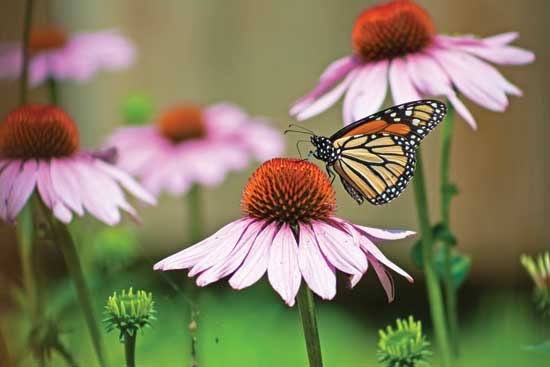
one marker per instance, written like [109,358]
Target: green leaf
[460,266]
[450,190]
[442,232]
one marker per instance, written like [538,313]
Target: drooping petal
[23,186]
[48,195]
[283,271]
[501,39]
[255,264]
[66,185]
[325,101]
[430,79]
[318,274]
[402,88]
[191,255]
[7,178]
[329,78]
[234,259]
[385,279]
[339,248]
[372,251]
[384,234]
[480,87]
[375,87]
[126,181]
[230,240]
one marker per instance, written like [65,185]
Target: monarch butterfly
[375,156]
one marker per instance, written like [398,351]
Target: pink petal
[255,264]
[339,248]
[190,256]
[385,278]
[472,80]
[384,234]
[23,187]
[7,179]
[226,245]
[375,86]
[234,259]
[328,79]
[501,39]
[224,119]
[48,195]
[506,55]
[318,274]
[325,101]
[126,181]
[430,79]
[371,250]
[283,271]
[264,141]
[402,87]
[337,69]
[66,185]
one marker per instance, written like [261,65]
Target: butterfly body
[375,156]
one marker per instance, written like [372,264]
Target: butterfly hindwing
[376,166]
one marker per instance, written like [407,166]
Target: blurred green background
[263,55]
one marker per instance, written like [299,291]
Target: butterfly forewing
[377,154]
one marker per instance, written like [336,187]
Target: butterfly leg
[331,174]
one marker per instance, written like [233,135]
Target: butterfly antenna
[297,131]
[298,146]
[303,128]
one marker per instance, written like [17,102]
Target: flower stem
[53,91]
[4,353]
[24,80]
[195,229]
[68,248]
[446,196]
[434,291]
[306,305]
[130,349]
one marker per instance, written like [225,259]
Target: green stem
[24,80]
[434,292]
[196,230]
[306,305]
[53,91]
[130,349]
[25,238]
[446,196]
[4,354]
[68,248]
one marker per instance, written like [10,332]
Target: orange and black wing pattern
[377,154]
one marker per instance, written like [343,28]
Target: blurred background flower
[59,55]
[190,145]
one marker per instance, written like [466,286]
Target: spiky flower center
[391,29]
[38,131]
[288,191]
[182,123]
[46,39]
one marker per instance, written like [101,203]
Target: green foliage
[539,271]
[129,312]
[115,248]
[137,109]
[460,266]
[404,346]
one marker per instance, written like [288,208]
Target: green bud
[129,312]
[538,269]
[404,346]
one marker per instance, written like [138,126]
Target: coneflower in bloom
[58,55]
[189,144]
[289,231]
[397,41]
[40,149]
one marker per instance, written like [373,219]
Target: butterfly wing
[414,118]
[378,153]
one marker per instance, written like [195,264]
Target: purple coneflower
[57,55]
[189,144]
[397,41]
[39,148]
[289,231]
